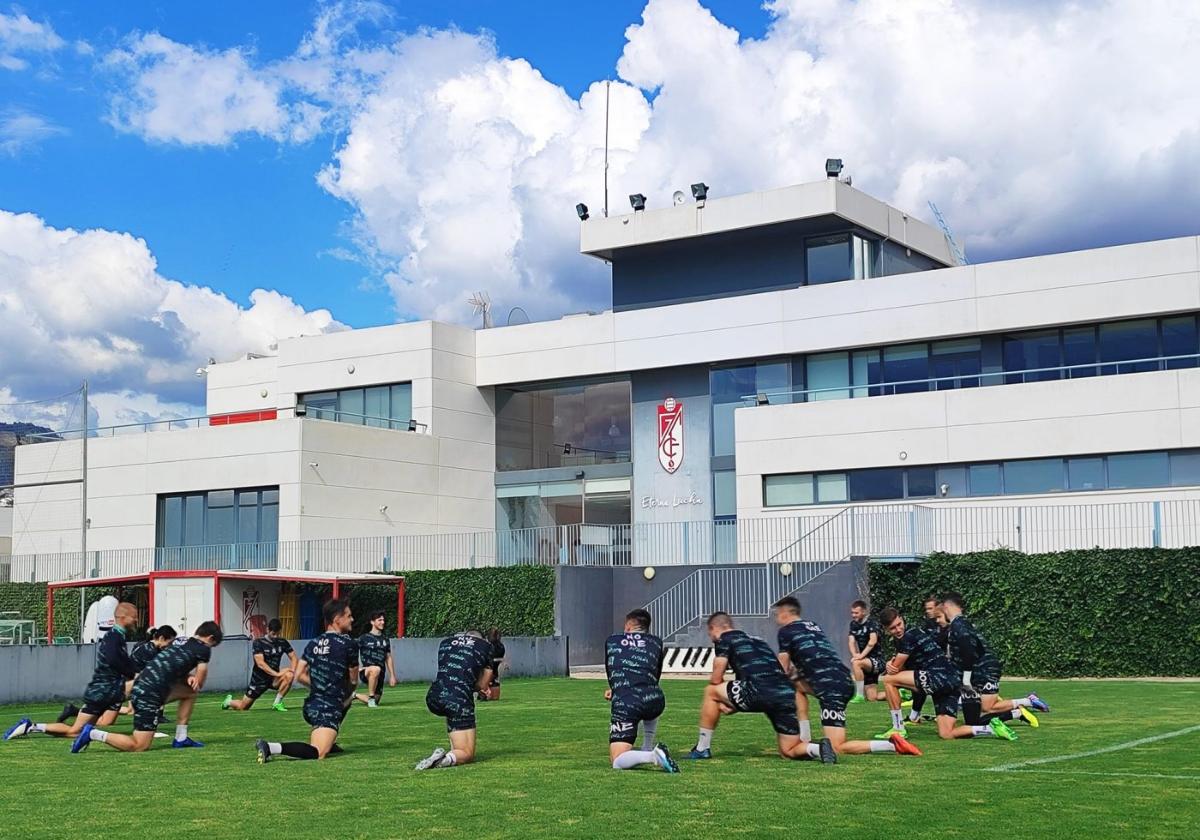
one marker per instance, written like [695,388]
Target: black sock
[296,749]
[918,701]
[335,749]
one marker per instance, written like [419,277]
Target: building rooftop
[606,237]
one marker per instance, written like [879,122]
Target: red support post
[400,610]
[337,589]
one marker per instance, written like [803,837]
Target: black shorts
[458,710]
[146,708]
[972,706]
[942,687]
[780,711]
[102,697]
[320,714]
[985,683]
[259,683]
[833,700]
[878,666]
[630,709]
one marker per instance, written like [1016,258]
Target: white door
[183,606]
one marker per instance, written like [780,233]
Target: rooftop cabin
[820,232]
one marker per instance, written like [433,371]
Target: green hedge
[1099,612]
[517,599]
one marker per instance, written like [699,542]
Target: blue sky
[186,180]
[251,214]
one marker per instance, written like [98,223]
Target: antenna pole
[83,524]
[607,85]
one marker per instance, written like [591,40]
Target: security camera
[383,508]
[313,464]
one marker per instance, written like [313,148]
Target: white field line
[1112,748]
[1099,773]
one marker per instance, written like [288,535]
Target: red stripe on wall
[243,417]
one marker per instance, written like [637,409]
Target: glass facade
[1025,476]
[728,386]
[218,517]
[840,256]
[379,406]
[603,501]
[563,424]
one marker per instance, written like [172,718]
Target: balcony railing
[783,396]
[228,419]
[897,531]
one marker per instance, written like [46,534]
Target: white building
[825,349]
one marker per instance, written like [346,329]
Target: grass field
[543,772]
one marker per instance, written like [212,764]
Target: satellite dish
[517,315]
[678,197]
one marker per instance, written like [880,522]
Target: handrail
[860,386]
[805,536]
[316,413]
[200,421]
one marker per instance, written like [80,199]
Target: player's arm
[302,673]
[872,644]
[897,663]
[196,680]
[391,669]
[720,666]
[485,680]
[260,662]
[785,661]
[119,657]
[295,660]
[854,654]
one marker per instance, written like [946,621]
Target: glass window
[831,487]
[350,406]
[906,363]
[828,374]
[321,406]
[984,480]
[401,408]
[1185,469]
[1040,475]
[563,425]
[1179,339]
[268,521]
[867,371]
[1032,351]
[866,257]
[786,490]
[725,493]
[1139,469]
[377,406]
[729,385]
[961,359]
[1085,473]
[193,520]
[952,481]
[221,528]
[921,481]
[170,521]
[1079,348]
[875,485]
[828,259]
[1129,340]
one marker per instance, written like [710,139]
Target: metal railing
[784,396]
[206,421]
[903,531]
[737,590]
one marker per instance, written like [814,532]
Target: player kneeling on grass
[464,667]
[970,652]
[633,661]
[866,653]
[920,663]
[163,680]
[329,667]
[375,654]
[268,654]
[819,671]
[107,690]
[760,685]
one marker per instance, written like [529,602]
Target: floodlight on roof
[833,167]
[637,201]
[582,211]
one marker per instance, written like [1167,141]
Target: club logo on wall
[670,434]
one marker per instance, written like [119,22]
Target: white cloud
[21,131]
[91,304]
[1034,126]
[20,35]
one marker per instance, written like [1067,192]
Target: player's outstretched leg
[892,683]
[321,744]
[715,703]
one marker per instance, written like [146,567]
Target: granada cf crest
[670,434]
